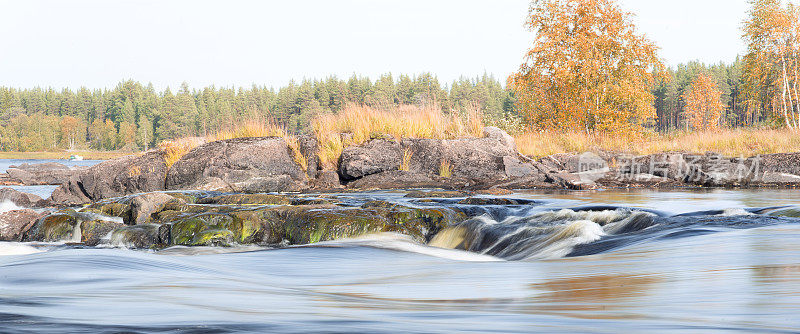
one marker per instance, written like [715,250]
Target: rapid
[594,261]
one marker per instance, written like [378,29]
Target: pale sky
[97,43]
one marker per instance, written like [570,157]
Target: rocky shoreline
[235,191]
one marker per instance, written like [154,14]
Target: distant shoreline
[87,155]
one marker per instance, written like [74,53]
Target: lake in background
[41,191]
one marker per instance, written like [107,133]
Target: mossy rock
[167,216]
[214,237]
[138,236]
[793,212]
[93,232]
[56,227]
[205,230]
[247,199]
[315,225]
[315,201]
[117,209]
[185,197]
[380,204]
[91,210]
[422,224]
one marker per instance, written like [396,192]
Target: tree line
[589,69]
[133,116]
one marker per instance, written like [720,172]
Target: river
[601,261]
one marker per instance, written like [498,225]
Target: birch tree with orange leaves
[703,108]
[588,69]
[772,33]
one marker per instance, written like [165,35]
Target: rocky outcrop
[19,198]
[243,165]
[49,173]
[451,163]
[373,157]
[113,178]
[14,223]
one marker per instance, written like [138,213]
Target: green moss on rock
[55,227]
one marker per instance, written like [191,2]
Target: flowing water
[608,261]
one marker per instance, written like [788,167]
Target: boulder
[396,179]
[14,223]
[19,198]
[113,178]
[487,158]
[326,180]
[471,160]
[138,236]
[95,232]
[309,148]
[263,164]
[145,205]
[372,157]
[59,226]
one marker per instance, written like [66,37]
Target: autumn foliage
[703,105]
[772,33]
[588,68]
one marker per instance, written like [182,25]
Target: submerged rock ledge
[198,218]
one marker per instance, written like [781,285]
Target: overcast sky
[96,43]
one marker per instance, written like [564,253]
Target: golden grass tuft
[174,150]
[357,124]
[405,165]
[445,169]
[728,142]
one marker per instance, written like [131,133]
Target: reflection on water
[675,201]
[742,278]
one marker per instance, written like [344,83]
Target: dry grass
[729,142]
[250,128]
[357,124]
[174,150]
[405,165]
[445,169]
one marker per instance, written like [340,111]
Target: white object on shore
[75,158]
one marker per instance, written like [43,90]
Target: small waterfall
[544,235]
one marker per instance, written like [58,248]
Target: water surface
[681,268]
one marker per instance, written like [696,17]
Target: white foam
[564,241]
[735,212]
[400,242]
[6,206]
[16,248]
